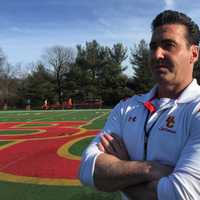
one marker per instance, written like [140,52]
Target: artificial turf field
[40,154]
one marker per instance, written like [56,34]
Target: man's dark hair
[175,17]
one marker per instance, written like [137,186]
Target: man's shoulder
[195,104]
[191,108]
[133,100]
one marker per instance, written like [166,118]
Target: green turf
[4,142]
[13,132]
[78,148]
[20,191]
[50,116]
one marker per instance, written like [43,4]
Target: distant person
[149,147]
[28,104]
[69,103]
[45,106]
[5,105]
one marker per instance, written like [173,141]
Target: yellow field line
[10,144]
[39,181]
[63,151]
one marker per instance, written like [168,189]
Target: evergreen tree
[112,81]
[90,59]
[142,79]
[118,54]
[100,72]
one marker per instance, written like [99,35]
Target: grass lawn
[18,191]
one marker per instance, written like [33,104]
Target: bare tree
[3,79]
[59,60]
[8,84]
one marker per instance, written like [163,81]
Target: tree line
[94,71]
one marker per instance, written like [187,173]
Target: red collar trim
[149,106]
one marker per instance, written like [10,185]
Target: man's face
[171,57]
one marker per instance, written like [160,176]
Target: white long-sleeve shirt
[173,138]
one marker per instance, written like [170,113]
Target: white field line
[47,118]
[93,119]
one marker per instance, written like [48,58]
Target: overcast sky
[28,27]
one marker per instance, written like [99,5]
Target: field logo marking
[24,148]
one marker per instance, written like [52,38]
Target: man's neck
[171,91]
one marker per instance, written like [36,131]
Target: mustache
[160,62]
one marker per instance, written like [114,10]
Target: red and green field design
[26,158]
[47,153]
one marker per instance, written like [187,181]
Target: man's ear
[195,53]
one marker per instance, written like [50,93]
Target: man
[150,145]
[45,106]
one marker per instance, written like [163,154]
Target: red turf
[36,155]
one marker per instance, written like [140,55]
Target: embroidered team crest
[170,121]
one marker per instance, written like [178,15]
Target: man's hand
[148,190]
[114,145]
[115,171]
[142,191]
[158,170]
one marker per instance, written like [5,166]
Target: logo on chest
[170,121]
[169,124]
[131,119]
